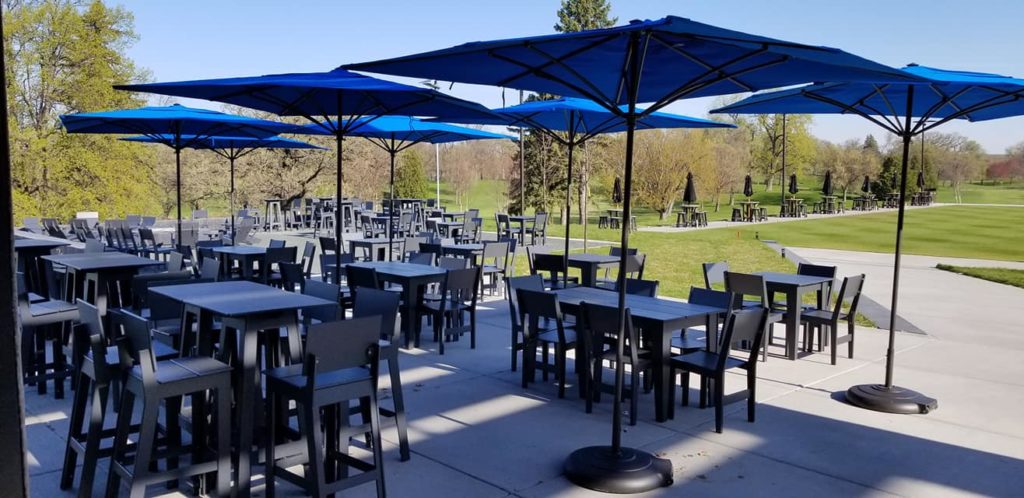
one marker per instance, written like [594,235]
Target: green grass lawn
[956,231]
[973,193]
[1008,276]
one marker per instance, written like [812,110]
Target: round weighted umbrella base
[628,471]
[893,399]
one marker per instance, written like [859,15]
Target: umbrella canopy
[397,133]
[748,186]
[677,58]
[905,109]
[793,187]
[573,121]
[617,191]
[230,148]
[315,96]
[689,193]
[920,180]
[645,61]
[176,126]
[827,188]
[866,186]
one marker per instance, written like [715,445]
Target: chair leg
[378,450]
[544,358]
[92,442]
[634,382]
[515,348]
[751,394]
[124,422]
[686,388]
[850,328]
[144,453]
[719,394]
[314,448]
[560,368]
[834,346]
[399,403]
[67,475]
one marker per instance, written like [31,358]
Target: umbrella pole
[782,182]
[338,249]
[568,208]
[522,168]
[232,201]
[887,397]
[177,185]
[391,202]
[437,173]
[616,469]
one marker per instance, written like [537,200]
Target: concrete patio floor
[476,433]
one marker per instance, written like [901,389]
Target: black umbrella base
[893,399]
[630,471]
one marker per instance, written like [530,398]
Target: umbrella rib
[884,124]
[551,77]
[697,83]
[991,102]
[528,69]
[700,62]
[572,71]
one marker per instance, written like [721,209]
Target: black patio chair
[533,307]
[827,321]
[512,285]
[598,335]
[458,297]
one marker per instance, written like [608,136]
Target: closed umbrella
[748,186]
[657,61]
[394,134]
[866,186]
[315,97]
[827,188]
[906,110]
[689,193]
[230,148]
[617,191]
[793,187]
[175,126]
[920,180]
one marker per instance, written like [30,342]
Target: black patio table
[245,308]
[376,248]
[589,264]
[657,319]
[412,278]
[29,252]
[793,285]
[244,255]
[445,227]
[453,215]
[468,251]
[521,221]
[109,268]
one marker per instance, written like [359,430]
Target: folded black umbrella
[826,187]
[689,193]
[866,187]
[748,186]
[793,189]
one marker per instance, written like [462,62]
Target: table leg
[408,315]
[793,305]
[246,406]
[661,347]
[589,275]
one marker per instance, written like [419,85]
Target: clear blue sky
[191,39]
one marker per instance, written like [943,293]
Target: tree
[663,157]
[544,166]
[768,145]
[958,160]
[63,57]
[579,15]
[410,179]
[730,159]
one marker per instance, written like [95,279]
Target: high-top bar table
[412,278]
[244,255]
[468,251]
[29,252]
[658,320]
[245,308]
[110,268]
[793,285]
[589,264]
[376,248]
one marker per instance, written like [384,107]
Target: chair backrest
[162,307]
[537,305]
[276,243]
[617,251]
[133,219]
[175,261]
[745,284]
[601,326]
[329,262]
[743,326]
[143,281]
[552,263]
[32,224]
[541,221]
[472,213]
[342,344]
[359,276]
[308,253]
[849,296]
[452,263]
[242,231]
[461,285]
[328,245]
[431,248]
[370,302]
[200,214]
[819,271]
[635,265]
[714,273]
[513,285]
[640,287]
[135,344]
[89,336]
[148,221]
[291,276]
[713,298]
[281,254]
[421,258]
[210,268]
[496,252]
[327,292]
[94,246]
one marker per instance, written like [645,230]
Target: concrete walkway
[476,433]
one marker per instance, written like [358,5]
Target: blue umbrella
[906,110]
[230,148]
[397,133]
[316,96]
[176,126]
[645,61]
[580,120]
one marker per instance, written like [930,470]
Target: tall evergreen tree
[580,15]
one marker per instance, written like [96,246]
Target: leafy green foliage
[579,15]
[410,179]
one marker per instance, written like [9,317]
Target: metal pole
[177,179]
[522,168]
[337,203]
[782,184]
[391,195]
[568,201]
[437,172]
[232,202]
[890,355]
[621,280]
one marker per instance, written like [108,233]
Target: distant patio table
[748,209]
[687,212]
[29,251]
[412,278]
[892,200]
[521,220]
[245,308]
[376,248]
[793,205]
[793,286]
[468,251]
[446,227]
[828,203]
[589,264]
[658,320]
[109,267]
[452,216]
[244,255]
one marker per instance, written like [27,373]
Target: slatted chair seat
[290,378]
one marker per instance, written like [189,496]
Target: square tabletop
[374,240]
[600,259]
[38,244]
[238,297]
[642,307]
[792,279]
[240,250]
[462,247]
[399,269]
[101,261]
